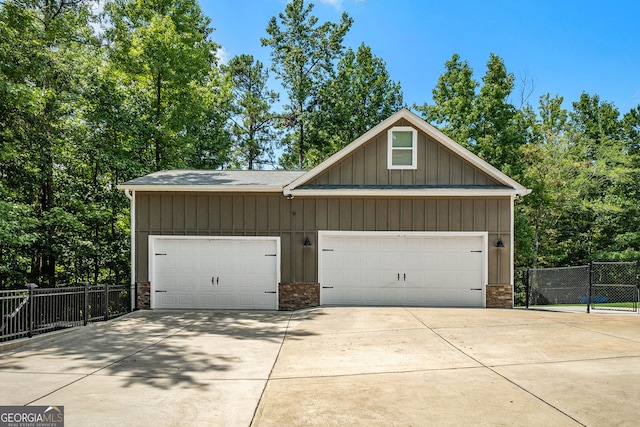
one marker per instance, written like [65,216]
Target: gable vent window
[402,148]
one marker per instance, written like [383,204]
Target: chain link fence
[599,285]
[615,286]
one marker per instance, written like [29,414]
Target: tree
[359,96]
[484,122]
[161,52]
[495,139]
[252,121]
[303,55]
[606,175]
[454,97]
[46,50]
[547,167]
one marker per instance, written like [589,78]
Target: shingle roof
[213,180]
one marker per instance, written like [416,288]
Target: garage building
[402,216]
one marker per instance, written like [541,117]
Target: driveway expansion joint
[498,373]
[85,376]
[275,360]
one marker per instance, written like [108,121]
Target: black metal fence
[37,310]
[599,285]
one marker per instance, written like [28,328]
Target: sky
[560,47]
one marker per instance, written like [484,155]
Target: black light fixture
[307,242]
[499,243]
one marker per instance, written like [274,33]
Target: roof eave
[204,188]
[410,192]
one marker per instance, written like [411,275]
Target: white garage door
[214,273]
[420,269]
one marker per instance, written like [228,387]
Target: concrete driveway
[336,366]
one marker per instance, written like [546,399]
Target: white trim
[206,188]
[413,148]
[512,252]
[132,289]
[411,192]
[151,258]
[421,125]
[483,234]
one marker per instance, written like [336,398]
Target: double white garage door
[354,268]
[421,269]
[214,272]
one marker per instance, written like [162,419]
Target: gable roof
[213,180]
[508,185]
[293,182]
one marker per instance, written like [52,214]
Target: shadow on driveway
[162,349]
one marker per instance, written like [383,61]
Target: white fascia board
[411,192]
[344,152]
[463,152]
[205,188]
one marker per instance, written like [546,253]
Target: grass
[627,305]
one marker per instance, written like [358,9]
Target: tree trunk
[158,142]
[300,148]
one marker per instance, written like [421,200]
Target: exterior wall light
[499,243]
[307,242]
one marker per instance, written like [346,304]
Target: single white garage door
[214,272]
[416,269]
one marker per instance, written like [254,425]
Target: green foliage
[582,166]
[303,53]
[47,48]
[454,96]
[358,97]
[80,115]
[160,51]
[253,122]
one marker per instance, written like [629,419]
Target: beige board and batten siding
[437,166]
[260,214]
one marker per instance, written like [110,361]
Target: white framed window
[402,151]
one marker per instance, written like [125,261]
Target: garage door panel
[185,300]
[416,296]
[470,277]
[206,301]
[223,300]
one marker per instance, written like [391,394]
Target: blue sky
[563,47]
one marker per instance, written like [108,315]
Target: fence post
[637,283]
[590,287]
[527,286]
[106,301]
[85,309]
[31,287]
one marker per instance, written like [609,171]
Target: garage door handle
[269,292]
[475,289]
[327,287]
[161,291]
